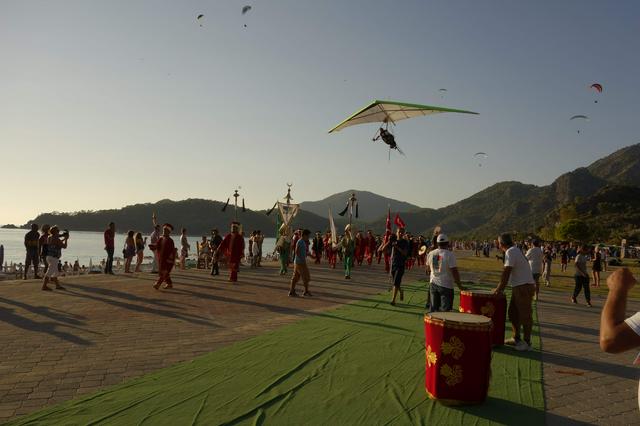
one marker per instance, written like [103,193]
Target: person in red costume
[370,247]
[165,251]
[386,251]
[330,251]
[232,247]
[360,247]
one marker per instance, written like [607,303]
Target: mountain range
[604,194]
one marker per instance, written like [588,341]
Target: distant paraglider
[199,19]
[246,9]
[598,88]
[480,157]
[442,93]
[579,117]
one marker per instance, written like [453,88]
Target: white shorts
[52,271]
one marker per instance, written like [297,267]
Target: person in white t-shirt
[443,270]
[517,273]
[618,334]
[535,256]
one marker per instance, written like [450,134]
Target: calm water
[86,246]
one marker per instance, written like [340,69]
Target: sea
[89,246]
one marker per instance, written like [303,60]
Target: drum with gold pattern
[490,305]
[458,357]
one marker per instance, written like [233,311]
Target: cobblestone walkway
[582,384]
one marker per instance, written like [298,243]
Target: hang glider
[391,112]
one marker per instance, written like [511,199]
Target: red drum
[490,305]
[458,360]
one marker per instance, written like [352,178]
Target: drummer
[441,264]
[517,273]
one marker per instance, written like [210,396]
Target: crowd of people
[525,265]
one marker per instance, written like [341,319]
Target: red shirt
[109,239]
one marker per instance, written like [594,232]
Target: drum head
[460,317]
[423,251]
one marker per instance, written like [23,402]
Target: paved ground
[103,330]
[582,384]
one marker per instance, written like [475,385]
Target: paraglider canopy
[479,156]
[597,87]
[245,9]
[391,112]
[579,117]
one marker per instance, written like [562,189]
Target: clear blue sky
[138,103]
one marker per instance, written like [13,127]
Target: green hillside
[604,194]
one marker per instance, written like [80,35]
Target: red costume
[166,252]
[232,247]
[359,251]
[370,248]
[330,252]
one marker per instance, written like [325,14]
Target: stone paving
[103,330]
[582,384]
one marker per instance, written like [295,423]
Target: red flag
[399,222]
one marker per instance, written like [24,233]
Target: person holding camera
[55,244]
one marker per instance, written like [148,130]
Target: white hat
[442,238]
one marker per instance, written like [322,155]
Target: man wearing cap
[166,252]
[517,273]
[443,270]
[232,247]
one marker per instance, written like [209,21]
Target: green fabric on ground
[359,364]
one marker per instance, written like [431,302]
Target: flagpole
[235,203]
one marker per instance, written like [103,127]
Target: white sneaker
[523,346]
[511,341]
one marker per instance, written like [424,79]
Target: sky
[110,103]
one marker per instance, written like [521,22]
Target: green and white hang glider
[391,112]
[385,112]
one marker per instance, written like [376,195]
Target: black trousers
[396,274]
[108,268]
[582,283]
[215,269]
[32,259]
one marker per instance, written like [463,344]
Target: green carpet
[359,364]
